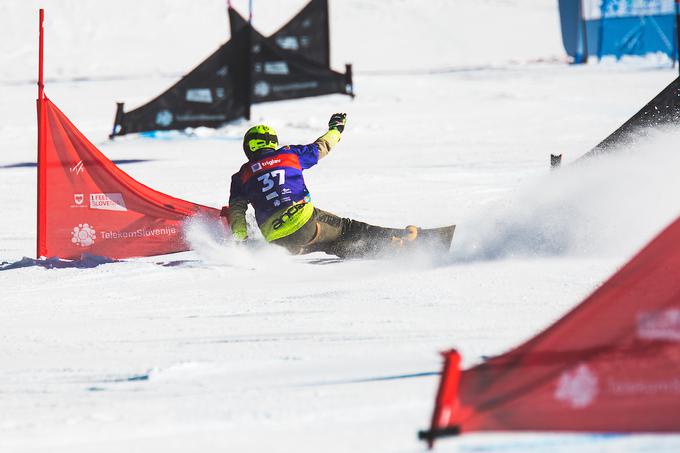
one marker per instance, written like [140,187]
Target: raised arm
[331,138]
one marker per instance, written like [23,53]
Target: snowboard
[438,239]
[429,240]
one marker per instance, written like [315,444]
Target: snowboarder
[273,183]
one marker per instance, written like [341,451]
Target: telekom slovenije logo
[83,235]
[577,387]
[659,325]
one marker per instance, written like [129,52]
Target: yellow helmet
[258,138]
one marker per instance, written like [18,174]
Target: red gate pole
[41,28]
[41,189]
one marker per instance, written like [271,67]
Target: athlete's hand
[337,122]
[239,236]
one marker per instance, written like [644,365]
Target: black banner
[279,74]
[307,34]
[213,93]
[290,64]
[664,109]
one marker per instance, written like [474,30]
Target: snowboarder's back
[272,181]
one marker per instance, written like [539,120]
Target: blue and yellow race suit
[273,183]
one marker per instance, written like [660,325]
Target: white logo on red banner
[83,235]
[139,233]
[78,199]
[107,201]
[577,387]
[270,162]
[78,168]
[659,325]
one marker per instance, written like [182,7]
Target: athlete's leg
[296,242]
[343,237]
[346,237]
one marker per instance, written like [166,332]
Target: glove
[239,236]
[337,122]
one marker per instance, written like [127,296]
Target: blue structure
[618,27]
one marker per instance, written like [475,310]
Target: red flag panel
[611,365]
[86,204]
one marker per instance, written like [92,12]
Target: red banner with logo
[86,204]
[611,365]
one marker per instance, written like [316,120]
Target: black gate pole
[585,31]
[677,35]
[249,63]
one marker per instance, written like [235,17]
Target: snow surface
[230,349]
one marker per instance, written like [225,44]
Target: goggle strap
[267,137]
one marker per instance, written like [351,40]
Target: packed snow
[229,348]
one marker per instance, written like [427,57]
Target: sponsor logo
[78,168]
[577,387]
[286,216]
[202,95]
[261,89]
[295,86]
[138,233]
[288,42]
[219,93]
[257,166]
[83,235]
[107,201]
[78,199]
[668,387]
[164,118]
[593,9]
[269,162]
[273,196]
[223,71]
[659,325]
[201,117]
[276,68]
[637,8]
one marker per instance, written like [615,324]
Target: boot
[408,237]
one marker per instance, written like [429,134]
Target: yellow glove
[240,235]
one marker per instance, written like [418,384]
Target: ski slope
[226,348]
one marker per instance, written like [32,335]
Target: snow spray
[607,205]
